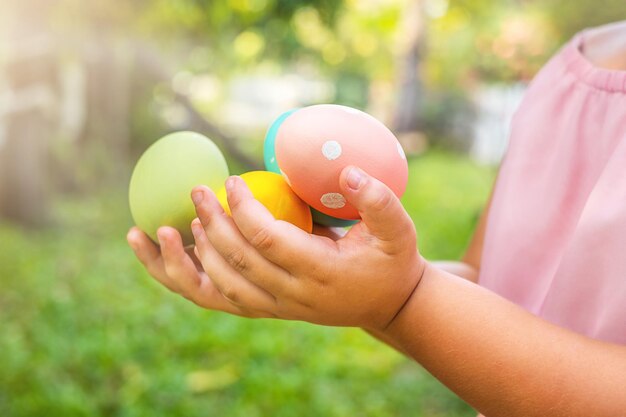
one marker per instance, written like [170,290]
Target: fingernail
[230,184]
[161,234]
[133,245]
[197,197]
[354,178]
[196,229]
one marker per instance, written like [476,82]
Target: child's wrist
[423,267]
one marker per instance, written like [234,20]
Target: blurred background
[86,86]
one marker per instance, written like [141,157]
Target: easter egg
[269,146]
[161,183]
[314,144]
[329,221]
[271,190]
[269,157]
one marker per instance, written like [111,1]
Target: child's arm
[503,360]
[496,356]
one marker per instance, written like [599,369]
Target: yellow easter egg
[271,190]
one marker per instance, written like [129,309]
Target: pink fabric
[556,235]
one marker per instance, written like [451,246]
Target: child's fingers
[192,285]
[206,294]
[231,284]
[191,251]
[178,265]
[280,242]
[225,238]
[381,210]
[210,297]
[149,255]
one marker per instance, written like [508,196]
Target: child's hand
[178,268]
[270,268]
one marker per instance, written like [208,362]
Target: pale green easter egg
[161,184]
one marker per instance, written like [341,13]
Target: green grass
[85,332]
[445,197]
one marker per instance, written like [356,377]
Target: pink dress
[555,241]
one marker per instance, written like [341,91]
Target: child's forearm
[503,360]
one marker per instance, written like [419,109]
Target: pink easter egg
[314,144]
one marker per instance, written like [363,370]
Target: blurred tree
[410,84]
[30,71]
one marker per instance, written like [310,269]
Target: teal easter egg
[161,183]
[326,220]
[269,157]
[269,150]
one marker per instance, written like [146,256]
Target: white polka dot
[273,160]
[331,150]
[401,151]
[333,200]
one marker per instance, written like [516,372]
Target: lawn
[85,332]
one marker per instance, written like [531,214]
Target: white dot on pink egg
[333,200]
[331,150]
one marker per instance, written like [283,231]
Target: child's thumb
[379,207]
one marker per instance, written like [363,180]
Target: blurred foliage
[85,331]
[485,39]
[358,45]
[504,41]
[489,39]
